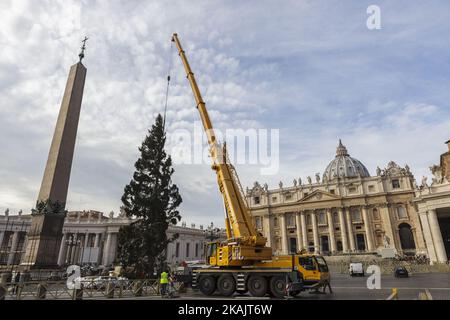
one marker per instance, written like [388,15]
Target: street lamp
[72,242]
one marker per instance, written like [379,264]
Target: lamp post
[72,242]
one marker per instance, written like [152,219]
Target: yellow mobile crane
[243,262]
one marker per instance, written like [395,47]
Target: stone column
[12,253]
[299,233]
[428,237]
[113,251]
[106,250]
[387,224]
[284,244]
[344,238]
[2,236]
[437,236]
[351,236]
[86,239]
[267,229]
[368,229]
[62,250]
[331,231]
[304,230]
[315,233]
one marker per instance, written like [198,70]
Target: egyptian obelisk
[44,237]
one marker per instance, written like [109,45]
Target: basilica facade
[343,211]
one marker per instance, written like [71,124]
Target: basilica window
[332,191]
[322,218]
[275,222]
[352,190]
[288,197]
[356,215]
[401,213]
[274,199]
[335,218]
[396,184]
[258,223]
[371,188]
[257,200]
[290,220]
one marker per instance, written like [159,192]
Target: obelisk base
[44,241]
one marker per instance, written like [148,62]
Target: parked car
[356,269]
[401,272]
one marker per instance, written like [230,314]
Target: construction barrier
[39,290]
[394,295]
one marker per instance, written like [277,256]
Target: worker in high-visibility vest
[164,282]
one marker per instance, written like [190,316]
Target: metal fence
[38,290]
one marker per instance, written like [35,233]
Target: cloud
[310,69]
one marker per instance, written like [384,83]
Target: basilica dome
[344,166]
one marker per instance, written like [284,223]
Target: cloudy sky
[309,68]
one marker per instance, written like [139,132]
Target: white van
[356,269]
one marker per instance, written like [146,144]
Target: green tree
[153,199]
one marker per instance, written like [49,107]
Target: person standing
[164,283]
[16,282]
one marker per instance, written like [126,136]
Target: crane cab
[314,269]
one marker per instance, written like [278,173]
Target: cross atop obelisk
[83,49]
[44,237]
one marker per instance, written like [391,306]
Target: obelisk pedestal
[44,237]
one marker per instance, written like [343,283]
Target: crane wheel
[226,285]
[278,286]
[207,285]
[257,286]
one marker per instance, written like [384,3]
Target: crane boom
[239,224]
[244,262]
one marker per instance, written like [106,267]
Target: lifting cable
[168,85]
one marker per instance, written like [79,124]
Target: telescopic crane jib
[244,243]
[244,262]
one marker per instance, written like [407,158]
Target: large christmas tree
[153,199]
